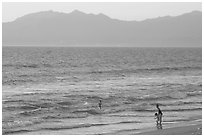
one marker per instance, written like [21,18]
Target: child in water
[100,104]
[156,117]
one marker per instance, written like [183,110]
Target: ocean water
[57,90]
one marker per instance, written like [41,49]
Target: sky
[117,10]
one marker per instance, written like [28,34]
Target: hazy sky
[118,10]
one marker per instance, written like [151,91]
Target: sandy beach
[183,130]
[186,130]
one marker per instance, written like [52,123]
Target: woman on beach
[159,114]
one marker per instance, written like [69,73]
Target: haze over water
[57,90]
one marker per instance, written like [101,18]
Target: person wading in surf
[159,114]
[100,104]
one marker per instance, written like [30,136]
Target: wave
[73,127]
[98,111]
[191,109]
[22,65]
[12,101]
[24,107]
[176,120]
[195,93]
[150,98]
[173,95]
[167,110]
[177,103]
[147,70]
[52,128]
[15,131]
[37,92]
[61,105]
[89,111]
[85,125]
[29,113]
[15,81]
[127,122]
[68,116]
[28,65]
[65,103]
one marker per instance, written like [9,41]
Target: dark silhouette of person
[156,117]
[100,104]
[159,114]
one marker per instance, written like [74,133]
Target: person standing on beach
[100,104]
[159,114]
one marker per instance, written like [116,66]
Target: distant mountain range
[78,28]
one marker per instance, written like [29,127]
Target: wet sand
[185,130]
[182,130]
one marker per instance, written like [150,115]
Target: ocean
[56,90]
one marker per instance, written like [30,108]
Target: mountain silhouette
[49,27]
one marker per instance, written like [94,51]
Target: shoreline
[193,129]
[187,128]
[181,130]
